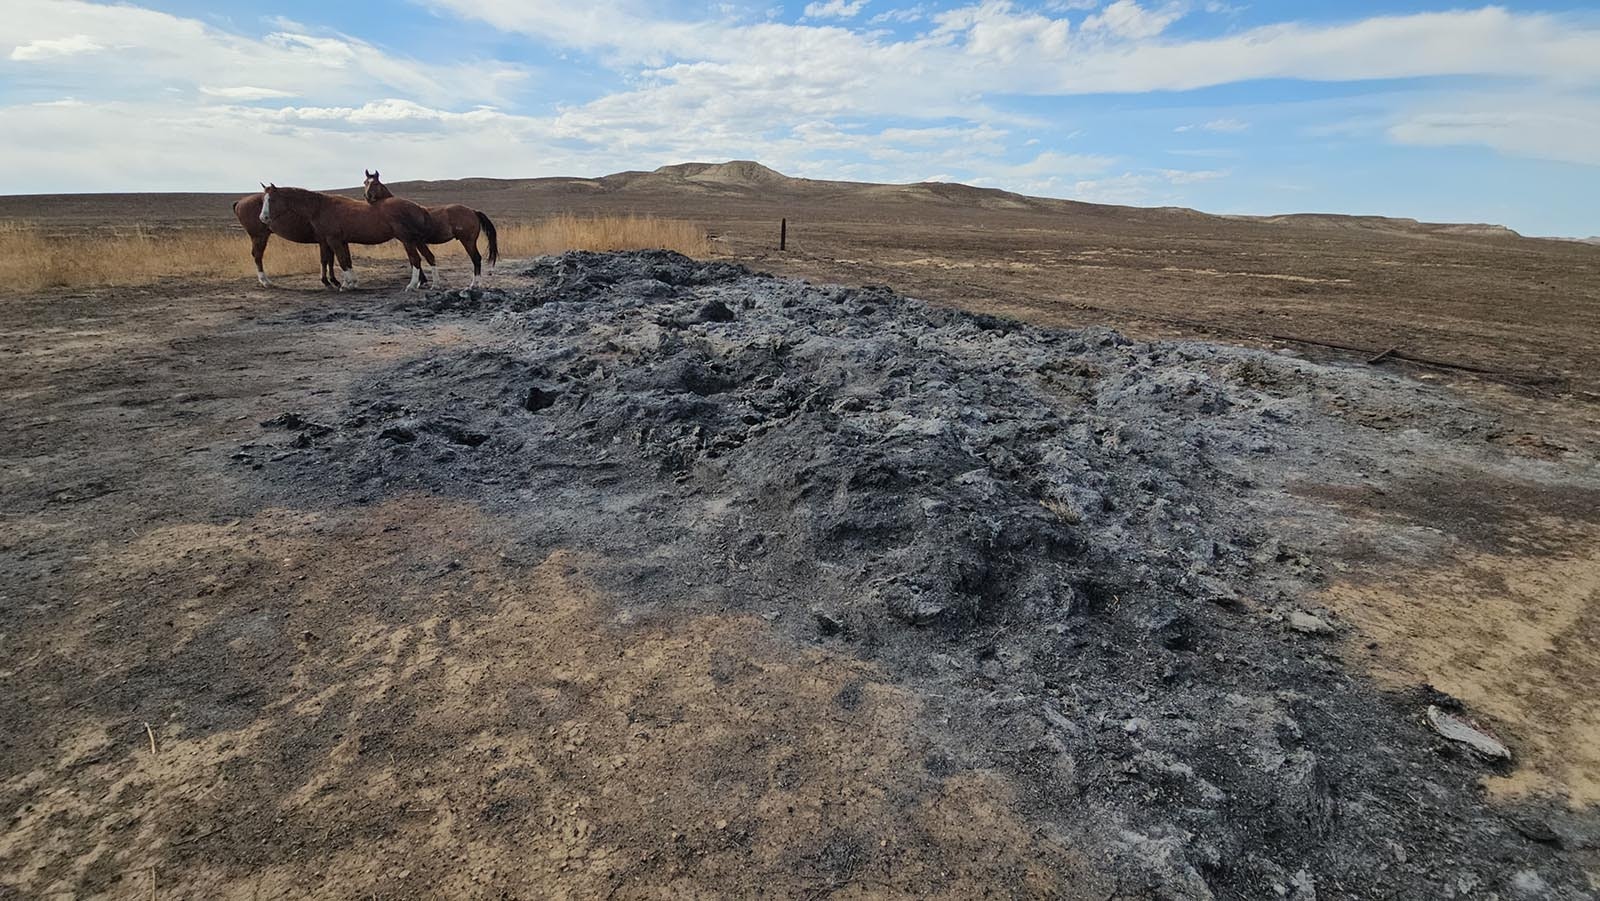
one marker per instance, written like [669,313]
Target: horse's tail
[236,207]
[494,239]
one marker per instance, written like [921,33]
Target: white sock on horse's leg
[433,275]
[416,278]
[350,277]
[262,278]
[474,281]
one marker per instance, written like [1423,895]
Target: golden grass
[33,260]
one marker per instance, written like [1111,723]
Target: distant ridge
[1386,223]
[733,172]
[750,190]
[750,180]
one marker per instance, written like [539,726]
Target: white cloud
[244,92]
[901,14]
[1140,188]
[45,48]
[996,31]
[1190,177]
[134,51]
[609,25]
[1127,19]
[1561,128]
[1053,164]
[314,146]
[834,9]
[1217,126]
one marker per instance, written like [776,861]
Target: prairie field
[34,257]
[966,545]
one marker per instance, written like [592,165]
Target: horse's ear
[263,186]
[369,174]
[374,175]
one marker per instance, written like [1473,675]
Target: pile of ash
[1078,547]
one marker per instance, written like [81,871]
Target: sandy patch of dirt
[1515,637]
[1277,276]
[941,263]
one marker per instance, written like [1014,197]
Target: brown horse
[454,222]
[287,225]
[338,222]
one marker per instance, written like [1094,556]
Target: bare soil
[212,686]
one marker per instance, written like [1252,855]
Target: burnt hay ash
[1078,548]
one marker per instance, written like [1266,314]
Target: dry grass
[31,260]
[568,232]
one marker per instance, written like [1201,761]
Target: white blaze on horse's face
[266,209]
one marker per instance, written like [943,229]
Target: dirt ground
[207,693]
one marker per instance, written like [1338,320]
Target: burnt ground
[643,577]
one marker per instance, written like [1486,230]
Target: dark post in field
[783,234]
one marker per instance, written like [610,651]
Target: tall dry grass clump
[569,232]
[32,259]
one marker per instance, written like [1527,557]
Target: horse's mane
[293,194]
[299,199]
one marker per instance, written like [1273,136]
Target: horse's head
[373,189]
[266,203]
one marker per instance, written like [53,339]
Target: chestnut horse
[338,222]
[453,222]
[288,226]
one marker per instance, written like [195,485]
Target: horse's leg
[324,254]
[258,249]
[415,259]
[477,258]
[330,280]
[345,264]
[433,265]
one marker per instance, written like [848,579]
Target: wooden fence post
[783,234]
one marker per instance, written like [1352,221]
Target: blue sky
[1432,110]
